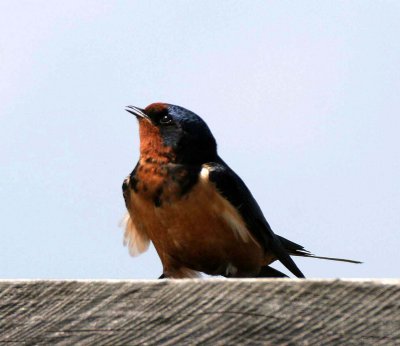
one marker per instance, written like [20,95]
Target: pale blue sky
[302,96]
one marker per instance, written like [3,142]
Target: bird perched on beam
[197,211]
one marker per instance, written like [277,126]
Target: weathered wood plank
[209,312]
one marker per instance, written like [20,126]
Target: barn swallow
[198,213]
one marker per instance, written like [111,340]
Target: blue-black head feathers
[184,131]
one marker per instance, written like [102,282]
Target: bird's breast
[193,224]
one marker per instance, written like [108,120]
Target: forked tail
[297,250]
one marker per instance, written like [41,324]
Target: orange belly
[201,231]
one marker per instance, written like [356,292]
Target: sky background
[302,96]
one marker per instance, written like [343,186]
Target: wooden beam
[207,312]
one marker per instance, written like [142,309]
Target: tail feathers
[298,250]
[305,253]
[278,248]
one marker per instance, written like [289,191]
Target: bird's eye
[166,119]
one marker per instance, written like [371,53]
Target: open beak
[137,112]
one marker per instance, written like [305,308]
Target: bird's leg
[179,273]
[174,269]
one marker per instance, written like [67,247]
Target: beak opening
[137,112]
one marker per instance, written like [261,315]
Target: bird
[198,213]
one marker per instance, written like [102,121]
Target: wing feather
[236,192]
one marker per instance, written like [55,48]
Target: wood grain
[206,312]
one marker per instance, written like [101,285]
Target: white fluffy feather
[136,240]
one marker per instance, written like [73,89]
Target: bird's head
[174,133]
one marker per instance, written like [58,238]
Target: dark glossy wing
[236,192]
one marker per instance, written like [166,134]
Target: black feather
[269,272]
[236,192]
[298,250]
